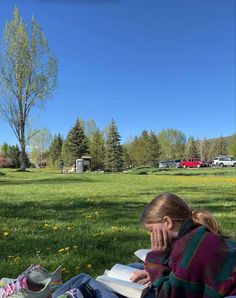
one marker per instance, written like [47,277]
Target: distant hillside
[227,139]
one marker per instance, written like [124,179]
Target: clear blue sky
[149,64]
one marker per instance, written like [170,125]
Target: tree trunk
[22,156]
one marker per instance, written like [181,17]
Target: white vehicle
[224,161]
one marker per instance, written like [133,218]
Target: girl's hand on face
[140,276]
[159,239]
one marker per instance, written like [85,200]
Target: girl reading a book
[190,257]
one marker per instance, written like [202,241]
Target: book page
[125,288]
[141,253]
[122,272]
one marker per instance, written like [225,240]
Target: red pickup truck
[192,163]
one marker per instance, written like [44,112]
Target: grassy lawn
[88,222]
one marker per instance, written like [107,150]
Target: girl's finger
[165,239]
[160,239]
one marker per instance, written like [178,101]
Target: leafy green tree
[128,153]
[232,146]
[14,155]
[191,149]
[55,151]
[146,149]
[5,150]
[205,149]
[76,143]
[12,152]
[28,75]
[90,129]
[114,150]
[66,153]
[172,142]
[97,150]
[39,143]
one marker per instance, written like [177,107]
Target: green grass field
[87,222]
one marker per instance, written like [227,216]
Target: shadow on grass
[49,180]
[197,172]
[116,215]
[113,208]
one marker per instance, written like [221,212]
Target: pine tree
[76,143]
[55,150]
[114,151]
[154,149]
[14,155]
[97,150]
[220,146]
[191,150]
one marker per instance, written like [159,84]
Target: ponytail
[204,218]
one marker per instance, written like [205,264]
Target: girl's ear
[168,222]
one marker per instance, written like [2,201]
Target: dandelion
[67,248]
[75,246]
[55,228]
[88,266]
[46,225]
[63,269]
[5,234]
[61,250]
[17,259]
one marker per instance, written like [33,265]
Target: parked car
[224,161]
[175,163]
[170,163]
[163,164]
[192,163]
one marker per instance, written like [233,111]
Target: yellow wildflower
[17,259]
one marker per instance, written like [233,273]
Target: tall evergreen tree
[14,155]
[191,149]
[97,150]
[220,146]
[76,143]
[114,150]
[154,149]
[145,149]
[55,150]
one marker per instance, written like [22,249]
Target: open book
[141,253]
[118,280]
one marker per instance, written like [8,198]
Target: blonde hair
[168,204]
